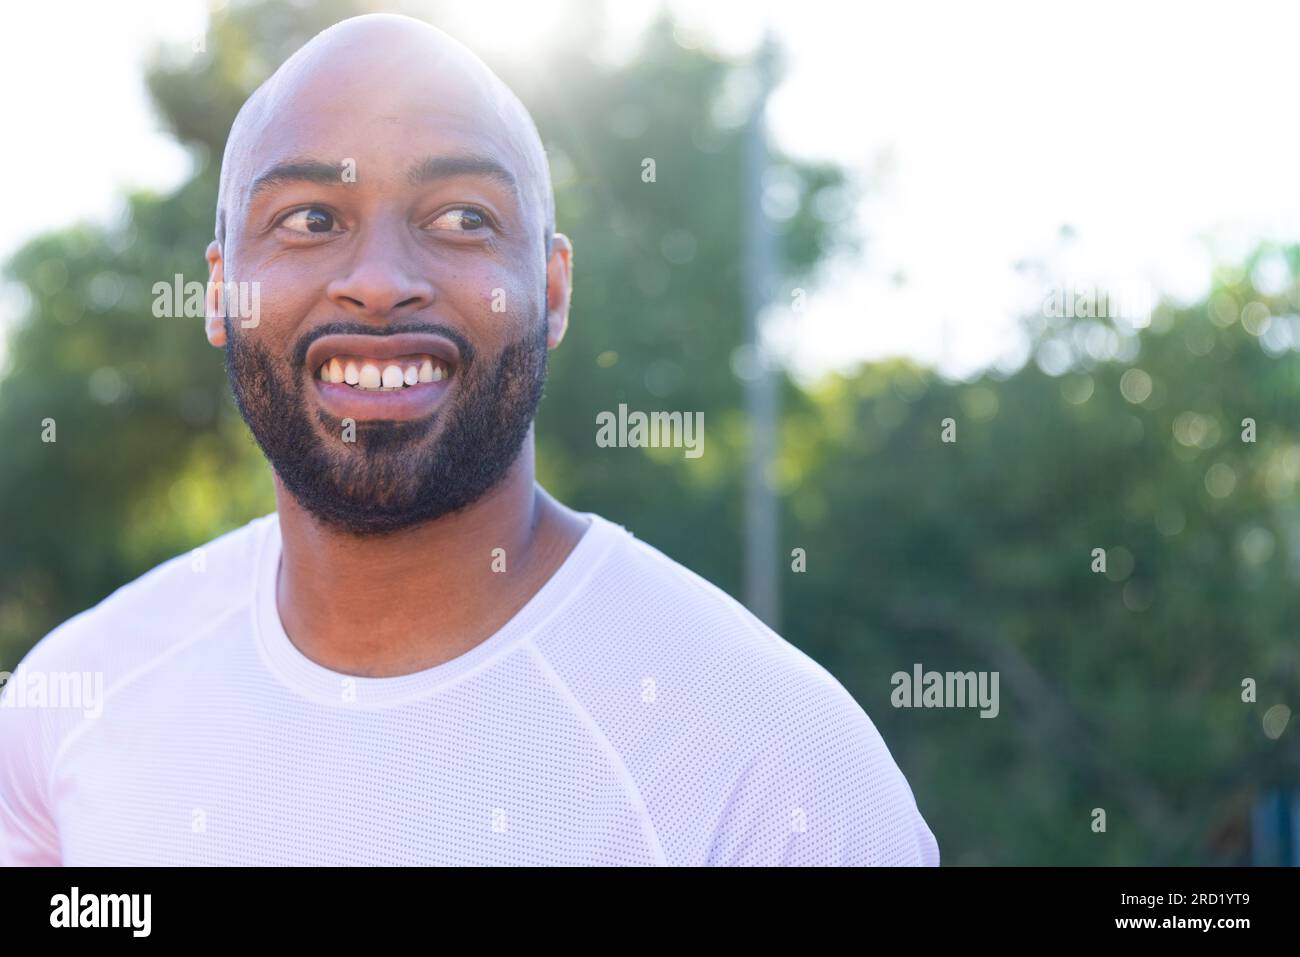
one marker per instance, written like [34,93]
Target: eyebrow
[435,168]
[297,171]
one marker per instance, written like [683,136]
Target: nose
[383,278]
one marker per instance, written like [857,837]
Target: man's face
[401,344]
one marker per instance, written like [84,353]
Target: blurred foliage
[1119,690]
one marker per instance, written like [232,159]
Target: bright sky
[1163,134]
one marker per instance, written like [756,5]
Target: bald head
[387,70]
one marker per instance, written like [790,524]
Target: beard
[396,475]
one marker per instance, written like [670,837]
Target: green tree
[1121,690]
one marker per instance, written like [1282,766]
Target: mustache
[362,329]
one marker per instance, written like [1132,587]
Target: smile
[382,377]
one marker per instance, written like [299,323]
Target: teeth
[362,374]
[370,377]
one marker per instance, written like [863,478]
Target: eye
[460,219]
[313,219]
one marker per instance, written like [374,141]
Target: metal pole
[762,514]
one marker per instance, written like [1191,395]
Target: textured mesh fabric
[630,714]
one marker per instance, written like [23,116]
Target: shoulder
[161,607]
[61,682]
[677,625]
[736,737]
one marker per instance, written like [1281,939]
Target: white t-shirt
[630,714]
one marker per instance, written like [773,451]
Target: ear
[559,286]
[214,322]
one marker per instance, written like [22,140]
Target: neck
[385,605]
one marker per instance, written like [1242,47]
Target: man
[421,657]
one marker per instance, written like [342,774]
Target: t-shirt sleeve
[27,833]
[825,792]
